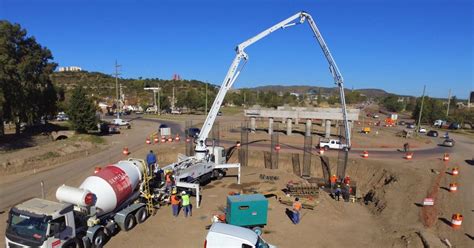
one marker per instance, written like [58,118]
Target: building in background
[70,68]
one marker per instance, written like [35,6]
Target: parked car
[439,123]
[411,126]
[62,117]
[194,132]
[121,122]
[225,235]
[432,133]
[455,125]
[422,130]
[402,123]
[449,142]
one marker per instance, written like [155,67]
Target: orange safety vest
[174,200]
[297,206]
[333,179]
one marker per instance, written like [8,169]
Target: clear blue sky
[396,45]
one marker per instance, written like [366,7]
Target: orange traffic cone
[455,171]
[125,151]
[321,151]
[446,157]
[177,139]
[409,155]
[170,139]
[148,141]
[163,139]
[156,140]
[453,187]
[456,220]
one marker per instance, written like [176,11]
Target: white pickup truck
[327,144]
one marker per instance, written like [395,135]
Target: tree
[354,97]
[433,109]
[319,98]
[391,103]
[82,111]
[25,68]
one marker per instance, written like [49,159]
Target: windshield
[261,243]
[28,227]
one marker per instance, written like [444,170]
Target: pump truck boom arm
[236,67]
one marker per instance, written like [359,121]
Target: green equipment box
[247,210]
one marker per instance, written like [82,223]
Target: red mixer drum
[114,184]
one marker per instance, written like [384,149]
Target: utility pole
[159,101]
[421,110]
[173,102]
[449,101]
[206,99]
[117,66]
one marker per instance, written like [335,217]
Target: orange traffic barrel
[446,157]
[456,220]
[321,151]
[156,140]
[163,139]
[453,187]
[177,139]
[170,139]
[277,147]
[365,154]
[97,169]
[148,141]
[125,151]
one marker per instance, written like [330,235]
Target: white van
[222,235]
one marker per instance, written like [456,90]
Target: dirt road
[29,186]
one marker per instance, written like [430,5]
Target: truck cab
[41,223]
[225,235]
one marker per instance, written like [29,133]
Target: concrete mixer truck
[110,200]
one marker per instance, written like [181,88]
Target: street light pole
[421,110]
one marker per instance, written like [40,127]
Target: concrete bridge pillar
[288,126]
[252,124]
[270,126]
[323,123]
[308,127]
[297,121]
[327,124]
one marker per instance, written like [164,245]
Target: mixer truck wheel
[129,222]
[99,239]
[141,215]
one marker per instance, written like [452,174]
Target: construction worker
[333,180]
[347,180]
[296,211]
[337,192]
[169,180]
[175,204]
[151,161]
[406,147]
[186,204]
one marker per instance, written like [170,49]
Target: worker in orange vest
[296,211]
[333,180]
[175,204]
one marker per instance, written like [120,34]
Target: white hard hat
[183,193]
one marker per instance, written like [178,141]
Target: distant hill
[305,89]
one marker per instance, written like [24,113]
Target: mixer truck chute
[110,200]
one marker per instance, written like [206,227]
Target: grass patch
[232,110]
[48,155]
[94,139]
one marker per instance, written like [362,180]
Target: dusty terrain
[387,215]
